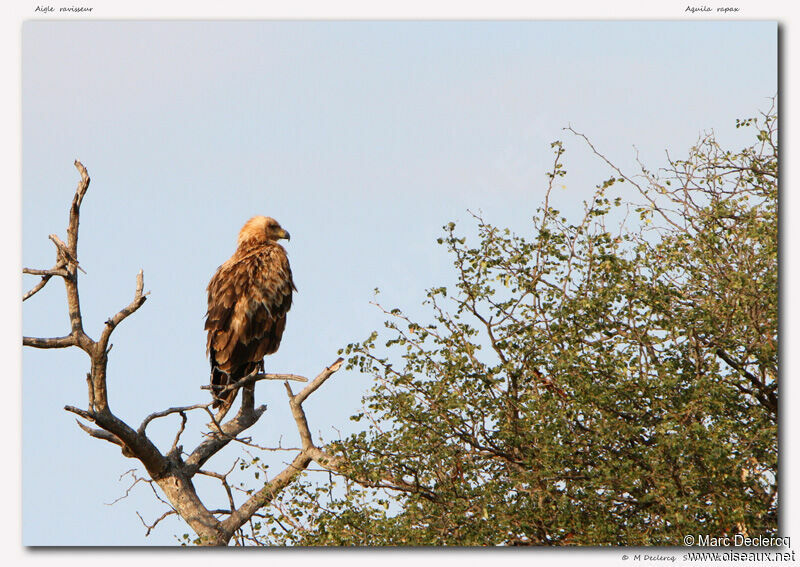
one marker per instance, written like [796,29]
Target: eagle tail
[220,379]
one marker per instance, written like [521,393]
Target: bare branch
[167,412]
[296,401]
[136,480]
[35,289]
[154,524]
[87,415]
[66,255]
[55,271]
[319,380]
[138,299]
[55,342]
[133,444]
[74,211]
[300,418]
[226,433]
[166,472]
[107,435]
[100,434]
[251,379]
[175,449]
[223,478]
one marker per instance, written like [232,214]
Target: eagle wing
[248,298]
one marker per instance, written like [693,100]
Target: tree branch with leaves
[605,380]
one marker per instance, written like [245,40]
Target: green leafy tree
[606,381]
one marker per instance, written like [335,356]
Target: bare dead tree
[171,471]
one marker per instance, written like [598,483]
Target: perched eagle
[248,298]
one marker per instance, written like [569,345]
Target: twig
[57,270]
[225,433]
[150,528]
[167,412]
[175,449]
[642,191]
[136,480]
[35,289]
[223,478]
[138,299]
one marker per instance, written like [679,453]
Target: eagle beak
[285,235]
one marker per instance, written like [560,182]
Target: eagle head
[262,229]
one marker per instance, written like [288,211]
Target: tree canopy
[605,380]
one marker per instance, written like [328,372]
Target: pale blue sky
[362,139]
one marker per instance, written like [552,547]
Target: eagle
[248,298]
